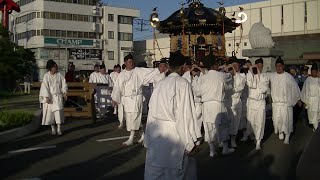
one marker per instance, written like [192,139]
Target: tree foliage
[15,61]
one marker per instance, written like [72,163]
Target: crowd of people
[217,101]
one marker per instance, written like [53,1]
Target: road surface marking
[112,139]
[31,149]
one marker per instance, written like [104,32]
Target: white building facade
[295,27]
[66,31]
[117,34]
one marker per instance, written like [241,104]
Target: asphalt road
[78,155]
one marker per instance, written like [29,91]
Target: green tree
[15,61]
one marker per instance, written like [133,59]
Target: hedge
[10,120]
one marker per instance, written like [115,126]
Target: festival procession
[171,90]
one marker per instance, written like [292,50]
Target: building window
[110,35]
[125,20]
[125,36]
[111,55]
[260,14]
[245,44]
[110,17]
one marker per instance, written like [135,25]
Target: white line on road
[112,139]
[31,149]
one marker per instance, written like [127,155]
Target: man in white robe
[285,94]
[128,91]
[187,71]
[118,109]
[163,69]
[171,130]
[258,84]
[95,75]
[233,100]
[211,89]
[104,78]
[53,93]
[244,97]
[310,95]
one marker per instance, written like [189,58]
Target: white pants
[313,117]
[27,87]
[120,113]
[198,107]
[282,117]
[215,133]
[188,171]
[133,120]
[256,115]
[234,114]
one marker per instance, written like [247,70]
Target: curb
[13,134]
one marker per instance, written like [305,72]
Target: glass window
[69,1]
[38,33]
[63,16]
[46,15]
[80,34]
[69,34]
[86,2]
[69,16]
[94,19]
[85,34]
[125,20]
[33,33]
[58,33]
[111,55]
[58,15]
[125,36]
[80,2]
[86,18]
[53,33]
[92,35]
[110,17]
[63,1]
[52,15]
[80,17]
[75,1]
[46,32]
[110,35]
[38,15]
[75,17]
[75,34]
[63,33]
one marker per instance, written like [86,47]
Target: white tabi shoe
[53,132]
[120,126]
[59,133]
[281,136]
[258,146]
[286,140]
[127,143]
[227,151]
[213,154]
[141,140]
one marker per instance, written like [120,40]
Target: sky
[165,9]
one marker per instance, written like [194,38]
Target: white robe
[114,76]
[233,102]
[128,91]
[211,88]
[53,87]
[197,101]
[310,95]
[94,77]
[256,113]
[187,76]
[171,130]
[285,94]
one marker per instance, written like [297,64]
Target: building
[69,31]
[117,34]
[295,27]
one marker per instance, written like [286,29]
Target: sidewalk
[19,102]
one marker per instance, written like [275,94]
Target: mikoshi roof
[197,19]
